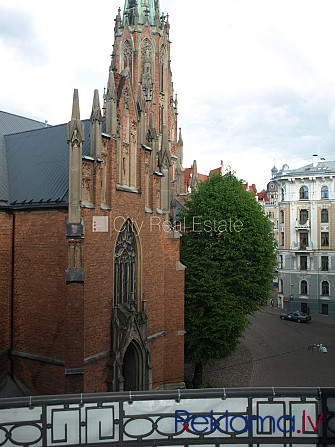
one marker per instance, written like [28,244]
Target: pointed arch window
[125,266]
[127,57]
[162,69]
[131,8]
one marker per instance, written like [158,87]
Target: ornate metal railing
[212,417]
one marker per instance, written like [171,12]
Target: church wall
[63,332]
[39,291]
[174,314]
[162,284]
[5,288]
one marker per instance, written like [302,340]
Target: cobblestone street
[274,353]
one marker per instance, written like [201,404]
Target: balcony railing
[212,417]
[302,247]
[302,225]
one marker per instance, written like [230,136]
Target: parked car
[299,317]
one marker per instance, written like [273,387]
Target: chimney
[315,160]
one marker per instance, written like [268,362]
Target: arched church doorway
[130,359]
[132,369]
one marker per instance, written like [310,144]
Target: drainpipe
[12,298]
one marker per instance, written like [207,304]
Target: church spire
[137,10]
[95,128]
[75,139]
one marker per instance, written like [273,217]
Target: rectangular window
[281,262]
[303,262]
[303,217]
[325,239]
[324,263]
[303,241]
[324,216]
[283,239]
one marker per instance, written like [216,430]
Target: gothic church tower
[141,53]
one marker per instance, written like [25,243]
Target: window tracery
[125,266]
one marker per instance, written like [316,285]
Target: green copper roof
[143,5]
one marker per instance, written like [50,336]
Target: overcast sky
[255,78]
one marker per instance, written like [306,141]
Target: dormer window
[304,193]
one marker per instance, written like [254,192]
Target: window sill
[126,188]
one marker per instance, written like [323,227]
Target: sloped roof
[142,6]
[37,165]
[9,124]
[322,168]
[12,387]
[262,196]
[202,177]
[188,173]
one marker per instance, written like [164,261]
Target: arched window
[325,288]
[303,193]
[125,266]
[303,288]
[324,216]
[325,192]
[303,217]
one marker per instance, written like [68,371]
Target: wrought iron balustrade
[211,417]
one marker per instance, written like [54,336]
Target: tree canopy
[228,249]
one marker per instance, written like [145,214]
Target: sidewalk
[327,319]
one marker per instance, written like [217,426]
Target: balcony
[301,247]
[250,416]
[302,226]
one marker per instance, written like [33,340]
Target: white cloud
[255,79]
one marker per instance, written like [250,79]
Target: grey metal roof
[37,165]
[10,123]
[322,168]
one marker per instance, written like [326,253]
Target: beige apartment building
[306,237]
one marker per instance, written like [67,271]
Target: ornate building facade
[306,247]
[92,287]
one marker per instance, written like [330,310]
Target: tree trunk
[197,378]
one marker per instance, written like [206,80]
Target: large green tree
[228,249]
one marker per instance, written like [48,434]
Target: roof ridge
[20,116]
[40,128]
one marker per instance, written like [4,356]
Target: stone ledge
[180,267]
[74,276]
[127,188]
[74,371]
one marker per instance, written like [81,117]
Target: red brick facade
[61,339]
